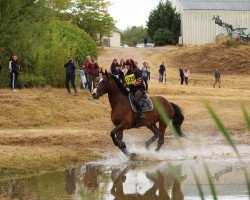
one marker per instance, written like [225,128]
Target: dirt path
[50,130]
[139,54]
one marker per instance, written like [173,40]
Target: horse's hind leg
[162,128]
[155,130]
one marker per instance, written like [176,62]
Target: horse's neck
[116,99]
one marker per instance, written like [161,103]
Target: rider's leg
[138,95]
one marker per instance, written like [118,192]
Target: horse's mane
[119,84]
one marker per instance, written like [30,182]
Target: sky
[128,13]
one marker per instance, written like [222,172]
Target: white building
[197,26]
[114,40]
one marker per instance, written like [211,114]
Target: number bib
[130,79]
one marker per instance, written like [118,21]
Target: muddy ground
[44,129]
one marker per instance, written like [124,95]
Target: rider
[134,82]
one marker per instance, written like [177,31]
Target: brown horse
[124,118]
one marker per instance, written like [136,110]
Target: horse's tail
[178,119]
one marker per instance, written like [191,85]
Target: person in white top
[186,75]
[149,68]
[144,71]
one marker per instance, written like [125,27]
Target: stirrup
[142,116]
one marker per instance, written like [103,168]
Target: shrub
[163,36]
[29,80]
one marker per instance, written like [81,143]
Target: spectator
[70,75]
[145,42]
[85,67]
[181,75]
[92,69]
[1,65]
[114,68]
[144,71]
[14,68]
[186,75]
[149,68]
[217,77]
[161,72]
[123,67]
[122,64]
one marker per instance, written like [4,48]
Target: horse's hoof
[131,155]
[157,150]
[183,135]
[122,145]
[147,147]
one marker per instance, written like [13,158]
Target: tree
[135,33]
[93,17]
[42,40]
[164,16]
[163,36]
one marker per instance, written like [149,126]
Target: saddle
[145,102]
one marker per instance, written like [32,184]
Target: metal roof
[214,4]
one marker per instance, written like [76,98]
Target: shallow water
[117,178]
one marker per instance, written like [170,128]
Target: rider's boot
[139,109]
[140,114]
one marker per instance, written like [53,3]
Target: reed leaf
[222,128]
[211,184]
[246,117]
[247,181]
[198,185]
[175,172]
[164,116]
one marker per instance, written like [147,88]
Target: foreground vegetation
[44,33]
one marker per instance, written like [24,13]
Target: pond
[113,179]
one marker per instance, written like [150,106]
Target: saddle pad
[145,102]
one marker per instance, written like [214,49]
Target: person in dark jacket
[114,68]
[1,65]
[134,82]
[70,75]
[14,68]
[217,77]
[161,72]
[181,75]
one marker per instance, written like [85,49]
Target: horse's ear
[101,71]
[106,72]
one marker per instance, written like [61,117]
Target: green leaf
[164,116]
[198,185]
[211,184]
[222,128]
[246,117]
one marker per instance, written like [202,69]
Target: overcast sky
[129,13]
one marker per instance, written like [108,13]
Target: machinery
[237,33]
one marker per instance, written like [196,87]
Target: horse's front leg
[117,135]
[155,130]
[118,140]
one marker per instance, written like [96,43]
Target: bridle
[98,92]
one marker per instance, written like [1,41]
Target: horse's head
[102,87]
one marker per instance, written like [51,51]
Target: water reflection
[129,181]
[90,177]
[70,186]
[162,182]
